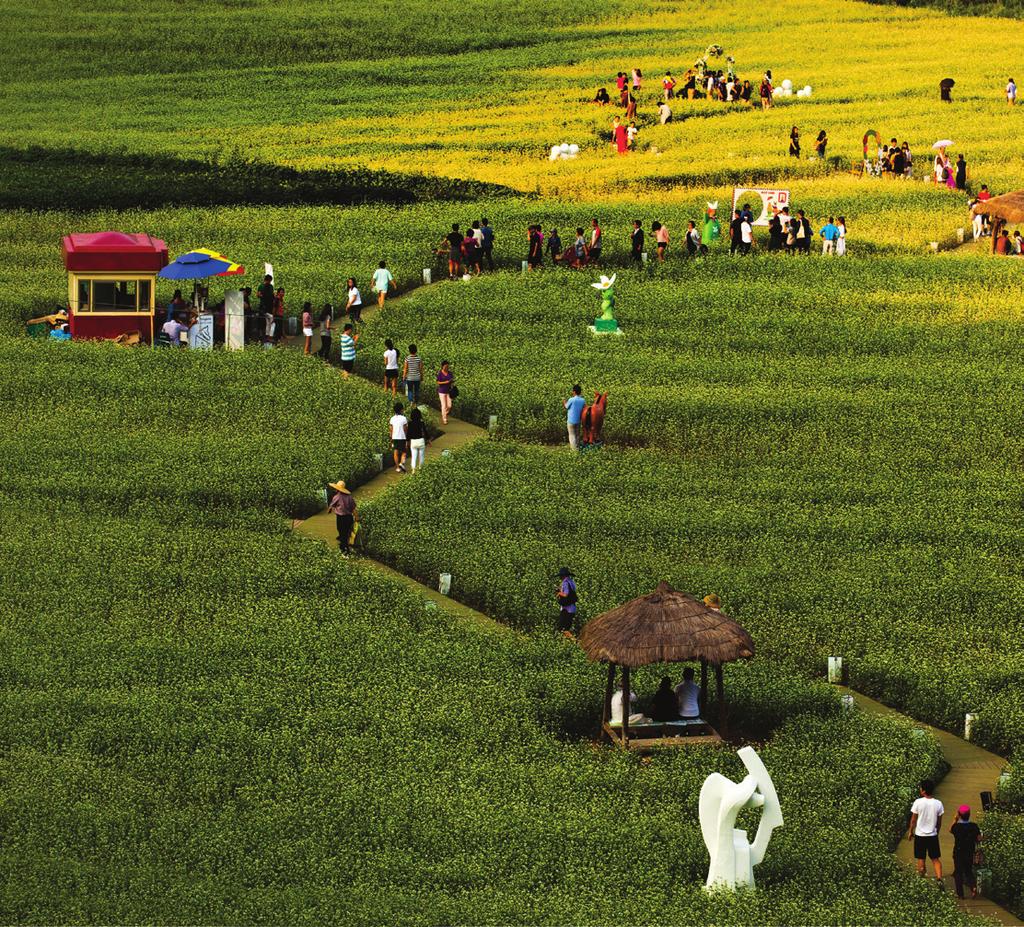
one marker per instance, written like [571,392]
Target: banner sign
[768,198]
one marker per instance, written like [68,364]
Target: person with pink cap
[966,837]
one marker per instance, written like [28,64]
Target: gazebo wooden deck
[664,626]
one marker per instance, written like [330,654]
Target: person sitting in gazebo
[665,705]
[635,717]
[688,695]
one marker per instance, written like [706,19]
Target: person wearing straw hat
[966,837]
[343,505]
[712,601]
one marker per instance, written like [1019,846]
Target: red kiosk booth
[112,283]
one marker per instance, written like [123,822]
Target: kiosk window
[113,295]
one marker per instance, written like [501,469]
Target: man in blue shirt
[574,406]
[829,233]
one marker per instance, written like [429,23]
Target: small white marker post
[444,585]
[969,721]
[492,423]
[934,245]
[848,702]
[643,256]
[835,670]
[380,462]
[426,276]
[960,236]
[526,264]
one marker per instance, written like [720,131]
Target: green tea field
[209,714]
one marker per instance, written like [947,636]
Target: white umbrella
[943,143]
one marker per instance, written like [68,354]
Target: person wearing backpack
[566,601]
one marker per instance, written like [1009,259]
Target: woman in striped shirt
[412,373]
[347,348]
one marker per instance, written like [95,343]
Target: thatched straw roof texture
[665,626]
[1009,206]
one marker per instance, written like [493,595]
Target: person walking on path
[746,233]
[453,241]
[821,144]
[554,246]
[383,281]
[397,428]
[594,251]
[326,317]
[794,142]
[961,173]
[445,385]
[925,823]
[354,304]
[966,837]
[487,243]
[735,232]
[277,332]
[535,252]
[343,505]
[668,86]
[347,349]
[412,375]
[307,327]
[266,295]
[660,231]
[841,240]
[636,242]
[620,139]
[574,406]
[1011,91]
[390,368]
[692,238]
[567,599]
[417,432]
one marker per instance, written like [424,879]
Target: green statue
[606,322]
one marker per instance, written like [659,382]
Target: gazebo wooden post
[703,687]
[720,696]
[626,707]
[996,228]
[606,714]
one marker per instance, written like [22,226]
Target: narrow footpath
[973,770]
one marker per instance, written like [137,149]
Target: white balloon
[574,149]
[787,84]
[564,146]
[807,90]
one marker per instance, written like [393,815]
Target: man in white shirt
[746,236]
[398,425]
[634,717]
[688,695]
[925,822]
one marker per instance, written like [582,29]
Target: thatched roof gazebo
[1002,209]
[664,626]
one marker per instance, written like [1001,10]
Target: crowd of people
[470,250]
[699,82]
[790,233]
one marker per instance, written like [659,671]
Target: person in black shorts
[925,824]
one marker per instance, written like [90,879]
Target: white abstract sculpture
[721,800]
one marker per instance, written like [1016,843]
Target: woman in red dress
[619,136]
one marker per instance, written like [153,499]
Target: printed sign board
[768,198]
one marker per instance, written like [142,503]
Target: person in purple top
[445,383]
[566,601]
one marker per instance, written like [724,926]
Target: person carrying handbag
[445,389]
[343,505]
